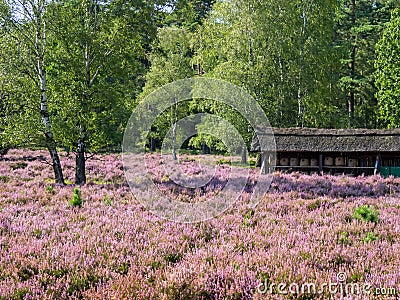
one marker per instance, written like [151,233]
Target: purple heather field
[304,230]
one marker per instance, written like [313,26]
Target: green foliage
[370,237]
[76,200]
[50,189]
[388,73]
[173,257]
[79,283]
[4,179]
[224,161]
[366,213]
[124,267]
[97,81]
[27,272]
[171,60]
[18,165]
[187,13]
[358,29]
[107,200]
[37,233]
[155,265]
[216,132]
[275,50]
[314,205]
[344,238]
[247,220]
[20,123]
[303,61]
[20,294]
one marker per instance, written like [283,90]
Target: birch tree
[27,26]
[280,51]
[97,67]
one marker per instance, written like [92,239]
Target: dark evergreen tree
[359,27]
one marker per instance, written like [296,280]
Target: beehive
[304,162]
[328,161]
[351,162]
[294,161]
[339,161]
[284,161]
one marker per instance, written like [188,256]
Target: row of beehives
[313,162]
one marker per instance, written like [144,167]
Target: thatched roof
[333,140]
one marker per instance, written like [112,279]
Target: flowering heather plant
[302,231]
[215,179]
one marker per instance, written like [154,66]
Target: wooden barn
[351,151]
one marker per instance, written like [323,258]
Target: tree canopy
[71,72]
[388,73]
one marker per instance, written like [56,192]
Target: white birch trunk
[40,44]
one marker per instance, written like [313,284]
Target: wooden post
[376,170]
[264,162]
[259,160]
[320,163]
[271,162]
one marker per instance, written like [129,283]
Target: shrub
[20,294]
[223,161]
[4,178]
[124,267]
[26,273]
[3,151]
[314,205]
[344,238]
[80,283]
[107,200]
[165,178]
[370,237]
[247,218]
[76,198]
[173,257]
[18,165]
[366,213]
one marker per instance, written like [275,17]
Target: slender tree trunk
[204,148]
[300,100]
[40,43]
[259,160]
[174,121]
[58,174]
[244,156]
[300,106]
[352,92]
[352,68]
[80,163]
[280,108]
[80,159]
[51,144]
[152,145]
[174,156]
